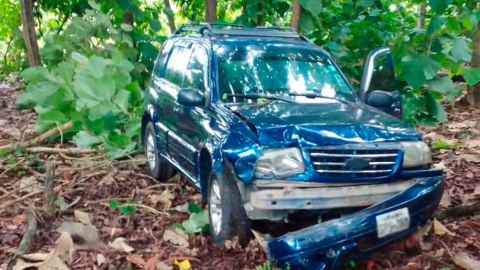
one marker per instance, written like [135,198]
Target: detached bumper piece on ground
[332,243]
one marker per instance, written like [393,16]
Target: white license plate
[393,222]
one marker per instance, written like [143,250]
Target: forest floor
[89,183]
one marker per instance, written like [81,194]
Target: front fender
[239,147]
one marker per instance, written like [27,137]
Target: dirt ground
[91,182]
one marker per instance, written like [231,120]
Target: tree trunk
[421,16]
[211,11]
[297,9]
[474,91]
[171,22]
[28,24]
[260,13]
[127,17]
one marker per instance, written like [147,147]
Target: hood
[329,123]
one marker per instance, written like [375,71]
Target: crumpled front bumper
[326,245]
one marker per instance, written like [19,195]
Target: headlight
[277,163]
[416,154]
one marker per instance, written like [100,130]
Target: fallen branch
[27,239]
[49,196]
[11,147]
[71,151]
[457,211]
[15,190]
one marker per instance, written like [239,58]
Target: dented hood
[328,123]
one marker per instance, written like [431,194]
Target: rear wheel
[226,211]
[157,167]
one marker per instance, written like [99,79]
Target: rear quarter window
[162,56]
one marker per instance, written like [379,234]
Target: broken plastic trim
[326,245]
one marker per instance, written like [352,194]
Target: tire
[233,218]
[157,167]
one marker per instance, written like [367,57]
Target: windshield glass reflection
[300,75]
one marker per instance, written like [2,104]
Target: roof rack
[226,29]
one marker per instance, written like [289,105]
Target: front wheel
[226,211]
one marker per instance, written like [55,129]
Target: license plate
[393,222]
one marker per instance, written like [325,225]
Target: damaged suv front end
[266,126]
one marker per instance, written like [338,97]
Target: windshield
[300,75]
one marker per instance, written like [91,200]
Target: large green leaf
[306,24]
[50,118]
[439,6]
[434,108]
[84,140]
[435,23]
[42,91]
[417,69]
[443,85]
[460,50]
[314,6]
[471,75]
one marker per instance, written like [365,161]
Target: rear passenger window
[196,70]
[159,63]
[177,64]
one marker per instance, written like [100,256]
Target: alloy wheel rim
[215,207]
[151,151]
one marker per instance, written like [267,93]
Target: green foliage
[114,204]
[197,222]
[268,266]
[128,209]
[11,38]
[439,144]
[89,81]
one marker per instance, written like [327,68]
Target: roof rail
[226,29]
[200,27]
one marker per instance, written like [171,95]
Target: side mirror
[191,97]
[380,99]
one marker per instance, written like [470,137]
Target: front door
[378,87]
[193,120]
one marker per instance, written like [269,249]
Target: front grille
[359,162]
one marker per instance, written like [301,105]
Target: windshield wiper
[250,96]
[313,95]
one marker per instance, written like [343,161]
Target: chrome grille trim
[352,155]
[356,161]
[364,171]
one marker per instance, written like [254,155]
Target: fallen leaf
[476,191]
[184,265]
[176,236]
[463,260]
[472,143]
[446,201]
[473,223]
[232,244]
[163,266]
[112,231]
[55,260]
[439,253]
[100,259]
[30,185]
[19,219]
[165,198]
[109,178]
[151,264]
[182,208]
[82,217]
[470,157]
[84,236]
[120,244]
[136,260]
[439,229]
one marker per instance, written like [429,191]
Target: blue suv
[264,124]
